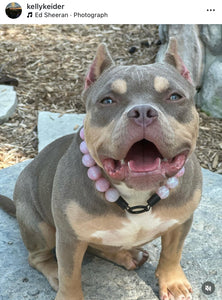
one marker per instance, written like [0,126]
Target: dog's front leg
[172,280]
[69,252]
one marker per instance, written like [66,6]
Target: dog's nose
[143,115]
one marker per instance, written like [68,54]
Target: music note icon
[29,15]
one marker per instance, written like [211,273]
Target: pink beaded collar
[111,194]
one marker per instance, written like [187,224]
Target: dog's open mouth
[143,158]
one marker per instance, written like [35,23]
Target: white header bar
[112,12]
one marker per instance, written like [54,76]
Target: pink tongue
[144,166]
[143,157]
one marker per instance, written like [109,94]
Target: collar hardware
[138,209]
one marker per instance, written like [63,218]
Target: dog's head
[141,124]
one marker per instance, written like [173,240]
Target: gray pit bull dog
[140,128]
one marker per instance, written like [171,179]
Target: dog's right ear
[101,62]
[172,57]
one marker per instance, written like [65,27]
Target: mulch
[50,63]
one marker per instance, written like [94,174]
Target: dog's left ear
[101,62]
[172,57]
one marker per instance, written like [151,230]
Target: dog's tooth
[165,159]
[129,166]
[122,162]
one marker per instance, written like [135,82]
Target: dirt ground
[50,63]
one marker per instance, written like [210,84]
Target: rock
[189,48]
[210,96]
[54,125]
[8,177]
[211,93]
[8,102]
[211,35]
[33,292]
[200,47]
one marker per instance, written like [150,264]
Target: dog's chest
[135,230]
[113,230]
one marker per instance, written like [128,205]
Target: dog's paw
[174,285]
[134,258]
[54,282]
[168,296]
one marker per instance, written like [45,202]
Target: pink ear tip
[88,82]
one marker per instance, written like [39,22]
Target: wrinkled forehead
[123,78]
[142,79]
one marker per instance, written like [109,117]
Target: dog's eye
[175,97]
[107,101]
